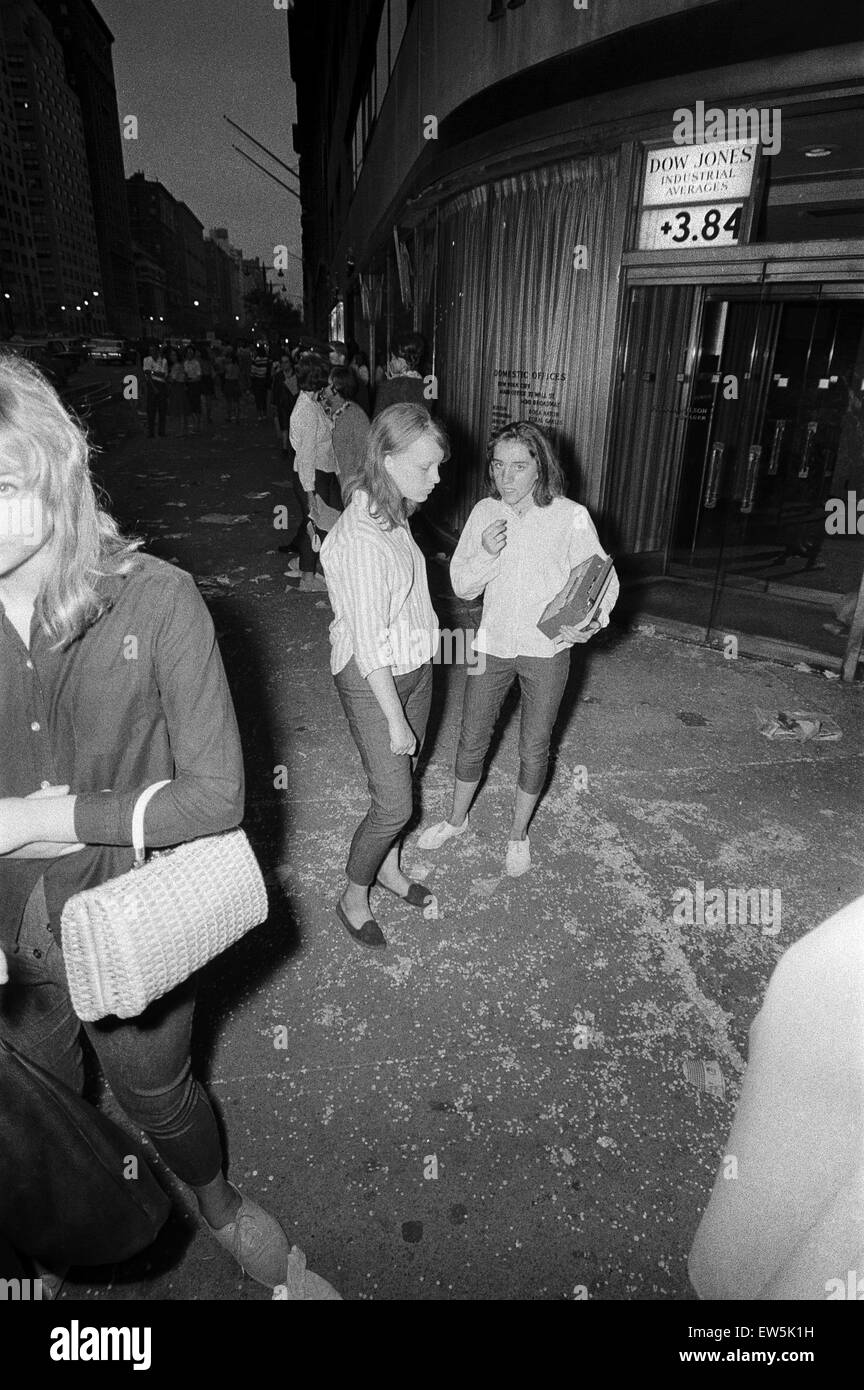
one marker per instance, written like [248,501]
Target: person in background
[311,436]
[259,380]
[360,365]
[350,423]
[404,381]
[178,402]
[383,637]
[155,369]
[220,362]
[192,373]
[69,595]
[244,357]
[338,354]
[231,389]
[518,548]
[285,390]
[208,385]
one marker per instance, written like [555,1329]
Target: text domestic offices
[520,204]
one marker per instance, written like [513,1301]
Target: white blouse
[543,546]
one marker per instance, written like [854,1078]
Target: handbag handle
[138,819]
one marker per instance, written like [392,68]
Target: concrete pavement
[495,1107]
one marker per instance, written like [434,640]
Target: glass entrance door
[774,432]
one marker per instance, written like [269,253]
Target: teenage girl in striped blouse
[383,637]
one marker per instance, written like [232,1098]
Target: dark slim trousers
[541,681]
[157,406]
[328,489]
[145,1060]
[390,777]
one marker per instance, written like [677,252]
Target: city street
[495,1106]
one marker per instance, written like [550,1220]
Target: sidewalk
[494,1107]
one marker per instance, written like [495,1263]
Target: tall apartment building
[151,286]
[171,234]
[49,128]
[219,235]
[194,287]
[87,42]
[21,306]
[223,284]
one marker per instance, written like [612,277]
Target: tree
[277,317]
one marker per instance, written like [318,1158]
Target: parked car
[106,349]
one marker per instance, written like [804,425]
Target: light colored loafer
[518,860]
[257,1242]
[299,1283]
[437,835]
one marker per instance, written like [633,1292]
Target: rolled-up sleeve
[207,793]
[360,584]
[472,567]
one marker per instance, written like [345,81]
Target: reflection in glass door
[774,431]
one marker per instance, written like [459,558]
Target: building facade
[171,235]
[640,226]
[49,129]
[22,309]
[219,235]
[87,42]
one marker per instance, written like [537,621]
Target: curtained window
[521,318]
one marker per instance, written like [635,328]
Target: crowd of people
[182,382]
[80,719]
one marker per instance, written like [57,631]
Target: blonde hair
[393,431]
[51,450]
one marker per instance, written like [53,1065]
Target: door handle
[754,459]
[812,427]
[715,470]
[776,447]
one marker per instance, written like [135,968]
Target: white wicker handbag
[134,938]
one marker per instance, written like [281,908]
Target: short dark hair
[312,373]
[344,380]
[412,346]
[550,477]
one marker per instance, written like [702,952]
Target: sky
[179,66]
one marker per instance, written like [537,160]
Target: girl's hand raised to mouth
[494,538]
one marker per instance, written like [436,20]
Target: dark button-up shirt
[141,696]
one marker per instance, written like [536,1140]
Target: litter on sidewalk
[798,726]
[214,585]
[705,1076]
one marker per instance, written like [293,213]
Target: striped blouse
[377,584]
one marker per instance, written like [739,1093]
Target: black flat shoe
[370,934]
[418,894]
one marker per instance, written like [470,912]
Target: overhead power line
[286,186]
[261,147]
